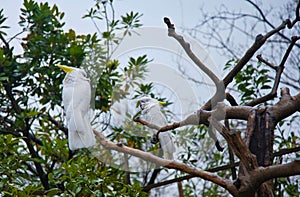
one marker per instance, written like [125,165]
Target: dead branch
[286,151]
[201,117]
[231,99]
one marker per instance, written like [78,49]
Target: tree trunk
[261,138]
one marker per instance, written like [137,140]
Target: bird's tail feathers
[80,132]
[167,145]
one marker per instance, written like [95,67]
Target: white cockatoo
[76,96]
[151,112]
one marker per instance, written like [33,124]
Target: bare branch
[166,163]
[231,99]
[286,106]
[187,177]
[260,58]
[186,46]
[289,23]
[279,70]
[286,151]
[261,175]
[201,117]
[250,52]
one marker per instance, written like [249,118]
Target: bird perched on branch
[151,111]
[76,96]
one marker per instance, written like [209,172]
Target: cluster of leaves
[251,81]
[33,138]
[286,137]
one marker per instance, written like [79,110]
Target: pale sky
[182,13]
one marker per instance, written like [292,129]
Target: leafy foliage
[35,159]
[251,81]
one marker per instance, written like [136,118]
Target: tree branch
[179,179]
[286,151]
[231,99]
[260,58]
[279,69]
[166,163]
[238,146]
[261,175]
[250,52]
[289,23]
[186,46]
[286,106]
[220,90]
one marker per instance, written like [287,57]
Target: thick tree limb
[166,163]
[187,177]
[287,105]
[201,117]
[261,175]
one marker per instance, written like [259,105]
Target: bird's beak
[162,102]
[67,69]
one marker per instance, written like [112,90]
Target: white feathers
[76,97]
[151,112]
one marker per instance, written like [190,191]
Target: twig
[286,151]
[289,23]
[231,99]
[260,58]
